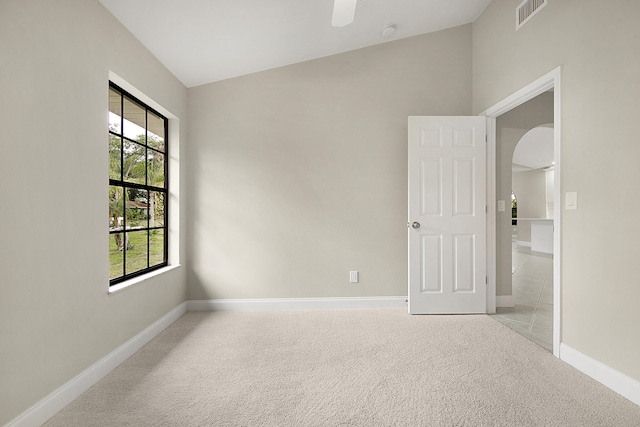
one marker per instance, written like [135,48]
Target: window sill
[137,280]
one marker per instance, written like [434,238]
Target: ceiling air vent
[526,10]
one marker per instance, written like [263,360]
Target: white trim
[549,81]
[505,301]
[491,216]
[54,402]
[557,213]
[523,243]
[140,279]
[525,94]
[616,381]
[285,304]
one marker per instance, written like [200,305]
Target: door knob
[415,225]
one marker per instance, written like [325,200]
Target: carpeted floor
[344,368]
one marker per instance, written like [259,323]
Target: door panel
[463,186]
[447,251]
[431,268]
[463,263]
[430,183]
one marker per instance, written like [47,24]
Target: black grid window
[138,190]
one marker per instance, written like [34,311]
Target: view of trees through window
[137,187]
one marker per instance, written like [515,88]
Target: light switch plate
[501,205]
[571,200]
[353,277]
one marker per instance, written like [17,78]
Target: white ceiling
[202,41]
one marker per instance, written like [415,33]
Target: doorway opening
[531,243]
[500,226]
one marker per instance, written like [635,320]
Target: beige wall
[56,318]
[510,128]
[299,174]
[598,46]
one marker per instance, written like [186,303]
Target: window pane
[155,168]
[137,208]
[134,120]
[137,164]
[115,148]
[116,266]
[115,111]
[133,162]
[156,247]
[157,209]
[137,251]
[155,131]
[116,208]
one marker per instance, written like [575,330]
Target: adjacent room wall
[298,175]
[531,189]
[56,318]
[598,46]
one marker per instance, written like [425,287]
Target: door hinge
[486,138]
[486,280]
[486,209]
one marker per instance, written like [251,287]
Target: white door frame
[551,80]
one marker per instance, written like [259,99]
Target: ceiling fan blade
[343,12]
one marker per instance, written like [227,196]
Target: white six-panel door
[447,215]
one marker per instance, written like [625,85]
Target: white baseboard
[616,381]
[39,413]
[282,304]
[523,243]
[505,301]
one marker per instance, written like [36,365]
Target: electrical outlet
[353,277]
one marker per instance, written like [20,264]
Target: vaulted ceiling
[202,41]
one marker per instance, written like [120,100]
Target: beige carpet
[345,368]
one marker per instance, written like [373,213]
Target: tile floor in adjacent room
[532,315]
